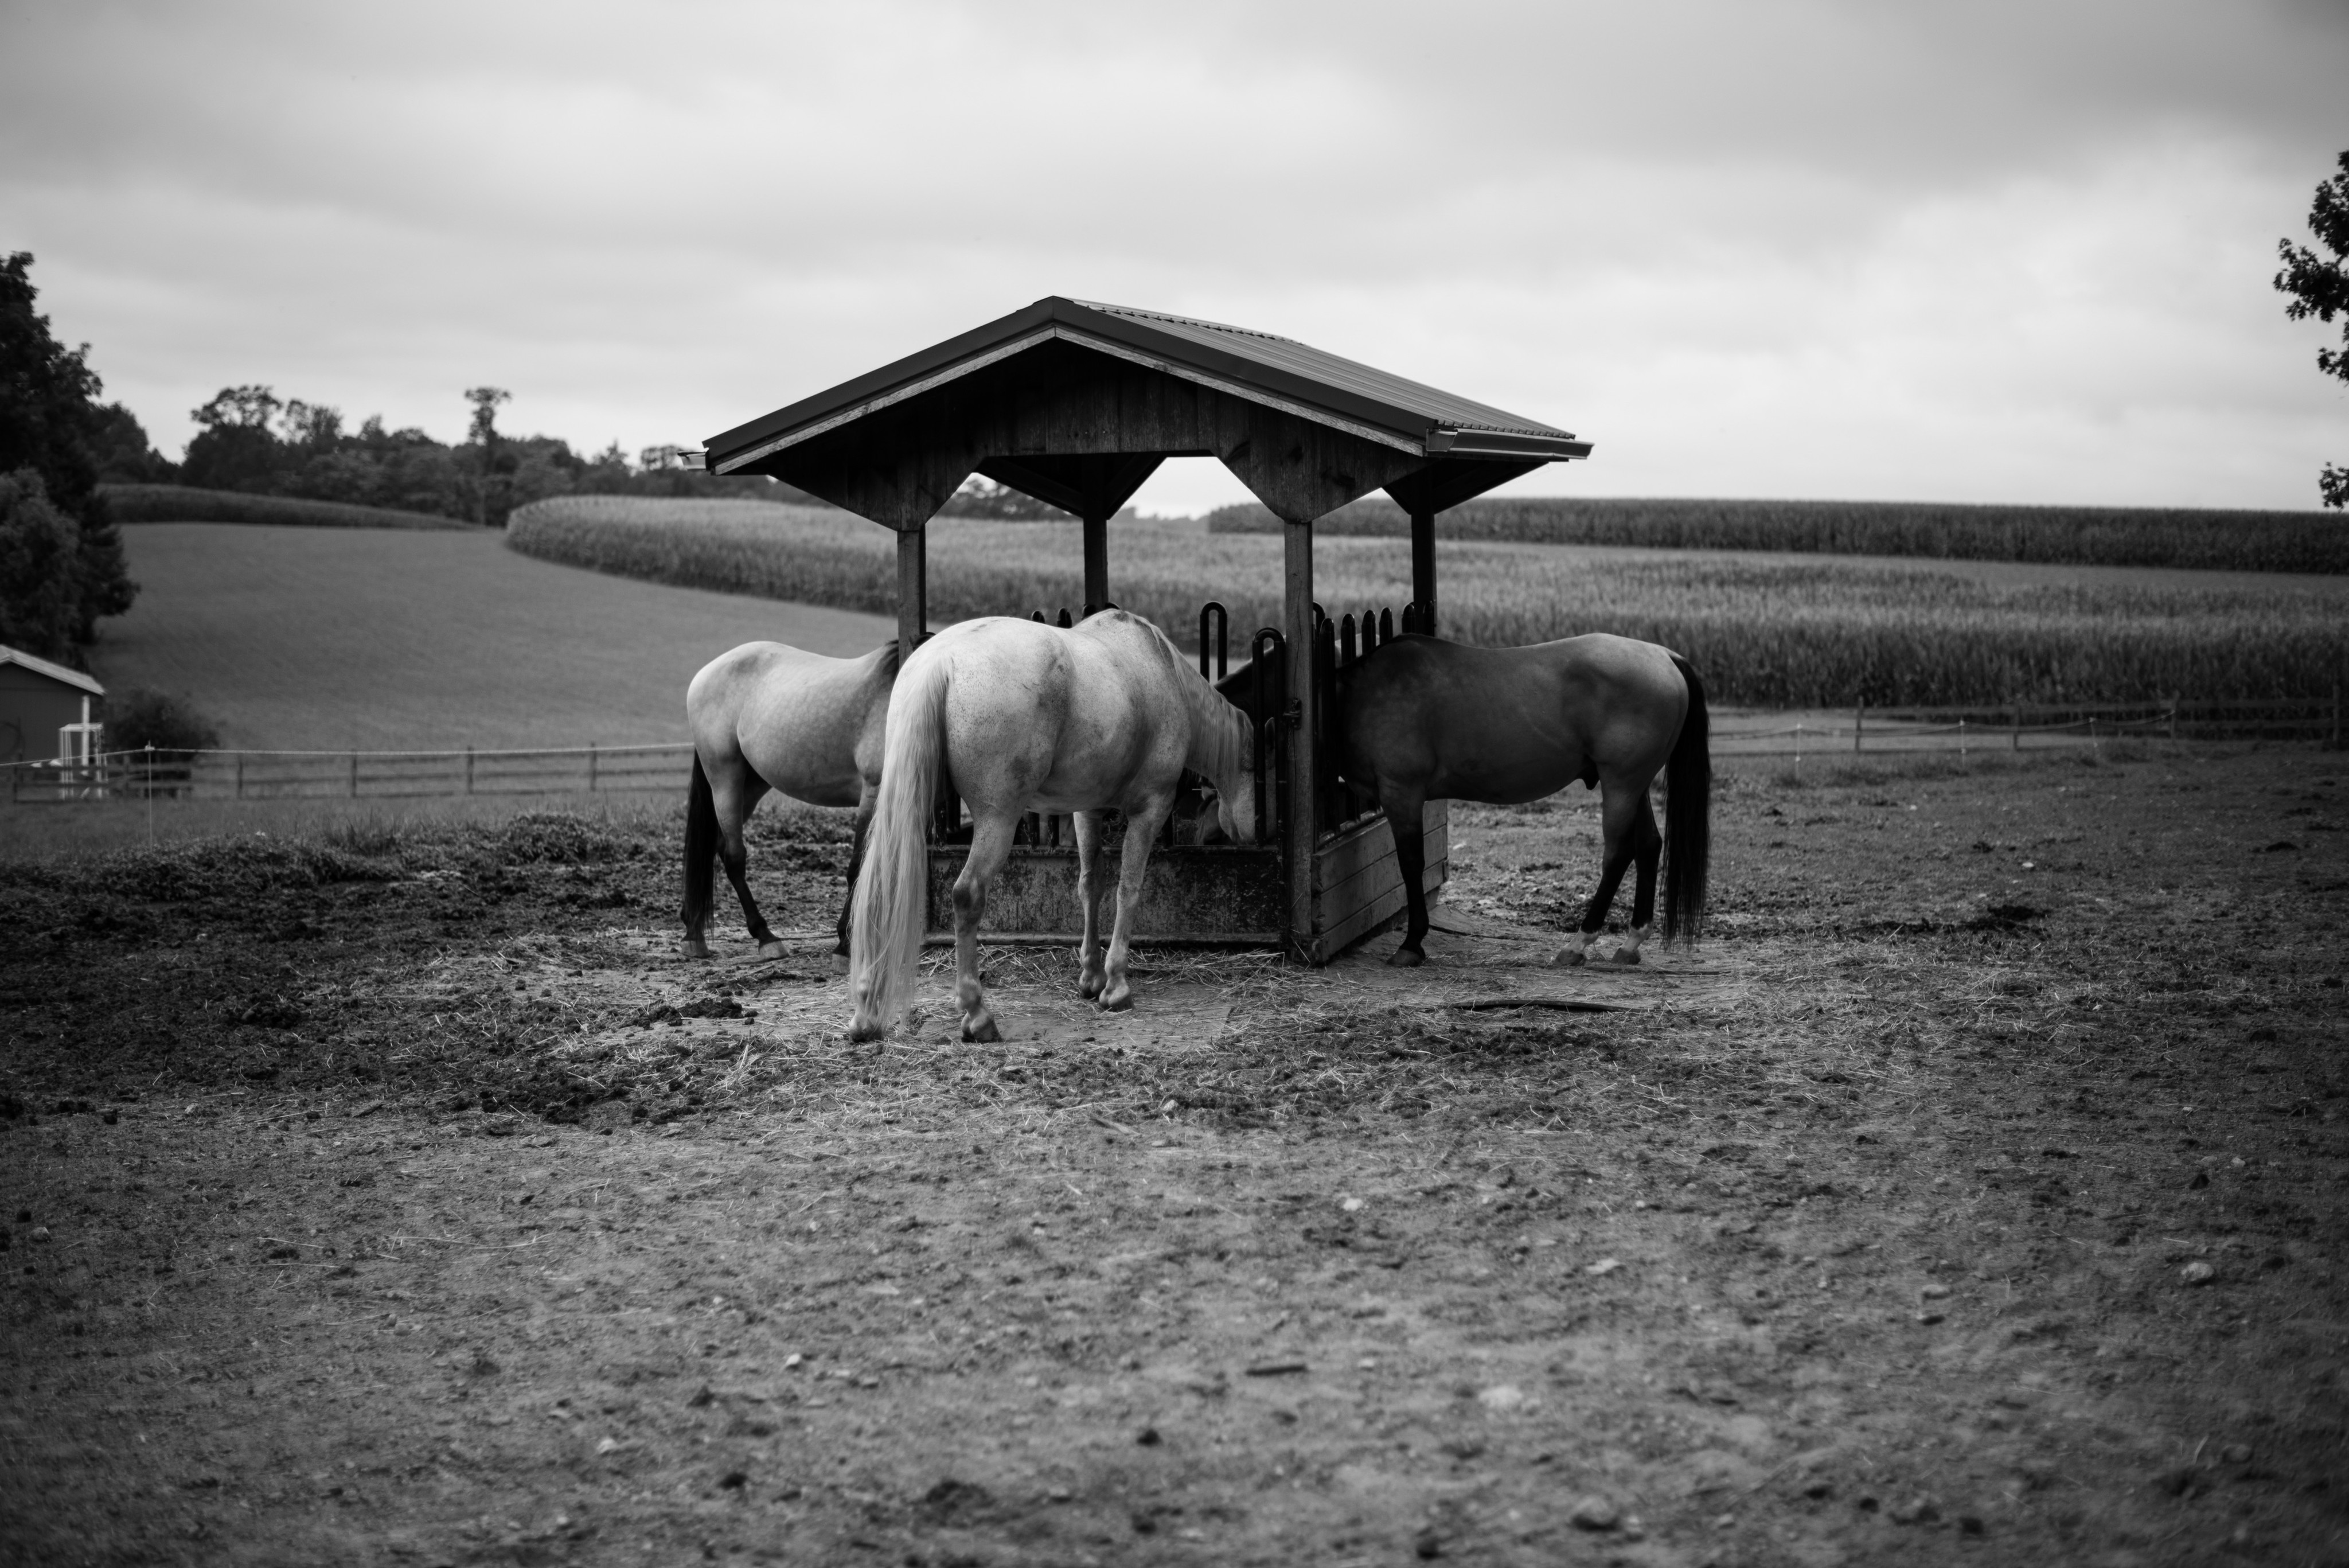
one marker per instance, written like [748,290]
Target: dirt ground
[1976,1192]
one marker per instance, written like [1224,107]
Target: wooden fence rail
[352,775]
[395,775]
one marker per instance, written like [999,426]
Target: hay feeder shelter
[1076,404]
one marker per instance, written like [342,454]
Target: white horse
[770,716]
[1028,717]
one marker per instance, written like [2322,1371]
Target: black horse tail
[1688,813]
[700,849]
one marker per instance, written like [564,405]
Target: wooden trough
[1076,404]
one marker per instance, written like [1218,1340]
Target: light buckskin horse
[1426,719]
[770,716]
[1028,717]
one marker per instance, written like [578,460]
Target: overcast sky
[1872,250]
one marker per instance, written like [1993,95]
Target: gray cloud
[2041,231]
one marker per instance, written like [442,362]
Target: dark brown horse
[1422,718]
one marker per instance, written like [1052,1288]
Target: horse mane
[1218,743]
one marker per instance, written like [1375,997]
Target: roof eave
[1521,445]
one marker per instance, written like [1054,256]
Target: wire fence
[2023,727]
[223,774]
[227,774]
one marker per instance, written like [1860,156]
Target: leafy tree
[2321,288]
[140,718]
[40,568]
[47,419]
[124,453]
[235,450]
[483,431]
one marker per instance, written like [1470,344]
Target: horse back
[1506,724]
[802,720]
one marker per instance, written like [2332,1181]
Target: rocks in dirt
[1502,1398]
[40,1232]
[2236,1453]
[2198,1273]
[2181,1481]
[1915,1511]
[1934,1292]
[1148,1437]
[1603,1267]
[733,1481]
[1596,1514]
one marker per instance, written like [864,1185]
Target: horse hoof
[840,964]
[1122,1002]
[1570,959]
[696,948]
[1632,957]
[1407,958]
[984,1034]
[770,950]
[1092,986]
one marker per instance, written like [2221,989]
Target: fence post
[2095,746]
[2173,717]
[2336,715]
[2015,715]
[1961,737]
[355,776]
[468,770]
[590,770]
[1858,723]
[240,775]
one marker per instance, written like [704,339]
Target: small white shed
[45,709]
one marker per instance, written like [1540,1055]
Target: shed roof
[73,678]
[1257,366]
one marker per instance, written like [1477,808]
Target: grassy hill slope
[301,637]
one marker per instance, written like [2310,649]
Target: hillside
[380,638]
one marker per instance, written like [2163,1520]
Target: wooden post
[355,776]
[913,591]
[2016,734]
[1096,531]
[468,770]
[1858,723]
[1304,818]
[1422,568]
[591,767]
[240,775]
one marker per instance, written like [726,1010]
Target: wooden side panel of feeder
[1358,880]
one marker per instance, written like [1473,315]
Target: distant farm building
[43,708]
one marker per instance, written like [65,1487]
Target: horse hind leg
[1649,851]
[735,799]
[990,845]
[1141,832]
[1618,816]
[1091,977]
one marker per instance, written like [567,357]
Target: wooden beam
[912,590]
[1304,824]
[1446,482]
[1096,535]
[1422,568]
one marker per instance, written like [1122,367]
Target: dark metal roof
[1254,365]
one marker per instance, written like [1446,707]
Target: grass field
[2202,539]
[1773,632]
[302,637]
[186,503]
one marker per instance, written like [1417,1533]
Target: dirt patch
[1977,1192]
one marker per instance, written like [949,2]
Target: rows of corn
[2202,539]
[1794,632]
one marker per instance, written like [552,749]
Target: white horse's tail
[893,890]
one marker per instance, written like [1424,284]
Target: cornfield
[2199,539]
[1769,633]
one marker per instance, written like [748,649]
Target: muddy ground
[1976,1192]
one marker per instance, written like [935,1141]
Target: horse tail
[700,849]
[1688,810]
[893,889]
